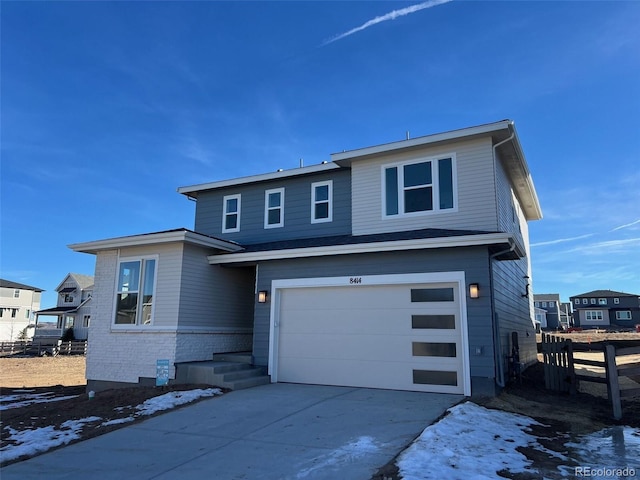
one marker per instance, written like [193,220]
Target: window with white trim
[602,301]
[16,293]
[422,186]
[623,315]
[593,315]
[585,301]
[274,208]
[231,213]
[68,298]
[135,291]
[577,301]
[593,301]
[322,202]
[544,304]
[616,301]
[86,320]
[551,304]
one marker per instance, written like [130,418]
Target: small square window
[616,301]
[16,293]
[577,301]
[602,301]
[544,304]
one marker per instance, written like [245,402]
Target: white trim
[225,199]
[329,201]
[369,280]
[114,307]
[192,191]
[618,312]
[154,239]
[435,186]
[267,209]
[387,246]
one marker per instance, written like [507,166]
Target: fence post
[571,372]
[613,387]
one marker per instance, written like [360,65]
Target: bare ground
[27,372]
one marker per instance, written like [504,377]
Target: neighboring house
[540,318]
[606,308]
[73,309]
[18,302]
[400,266]
[566,315]
[550,303]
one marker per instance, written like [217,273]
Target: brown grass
[67,370]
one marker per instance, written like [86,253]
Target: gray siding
[297,209]
[473,261]
[510,216]
[475,185]
[214,296]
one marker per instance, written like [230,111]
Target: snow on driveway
[475,442]
[36,440]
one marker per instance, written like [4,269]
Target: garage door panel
[372,336]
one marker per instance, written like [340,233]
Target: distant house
[73,309]
[550,303]
[540,318]
[397,266]
[566,315]
[606,308]
[17,304]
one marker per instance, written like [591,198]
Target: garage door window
[431,295]
[438,322]
[423,349]
[435,377]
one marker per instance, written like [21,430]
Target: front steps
[227,370]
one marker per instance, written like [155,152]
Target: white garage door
[403,337]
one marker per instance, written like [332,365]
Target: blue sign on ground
[162,373]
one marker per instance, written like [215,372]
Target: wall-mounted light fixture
[474,290]
[526,286]
[263,296]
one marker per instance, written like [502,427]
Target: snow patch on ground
[32,441]
[345,454]
[25,399]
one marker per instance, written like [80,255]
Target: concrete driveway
[277,431]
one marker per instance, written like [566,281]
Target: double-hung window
[593,315]
[274,208]
[135,291]
[322,202]
[421,186]
[231,214]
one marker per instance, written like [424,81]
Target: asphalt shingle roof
[606,293]
[16,285]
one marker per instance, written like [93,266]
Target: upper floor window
[135,292]
[231,214]
[593,301]
[544,304]
[585,301]
[602,301]
[322,202]
[16,293]
[274,208]
[86,320]
[616,301]
[418,187]
[537,304]
[551,304]
[577,301]
[68,298]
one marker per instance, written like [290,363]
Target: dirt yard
[65,370]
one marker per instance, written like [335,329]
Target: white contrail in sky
[561,240]
[388,16]
[625,226]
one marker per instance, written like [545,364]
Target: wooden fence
[78,347]
[560,375]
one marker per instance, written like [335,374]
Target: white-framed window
[322,202]
[69,321]
[135,291]
[593,301]
[602,301]
[537,304]
[551,304]
[231,213]
[623,315]
[86,320]
[16,293]
[419,186]
[27,313]
[593,315]
[616,301]
[577,301]
[544,304]
[68,298]
[274,208]
[585,301]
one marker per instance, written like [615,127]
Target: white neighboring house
[18,302]
[73,309]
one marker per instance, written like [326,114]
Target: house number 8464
[355,280]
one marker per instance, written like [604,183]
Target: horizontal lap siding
[473,261]
[214,296]
[475,182]
[297,210]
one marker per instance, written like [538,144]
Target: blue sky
[108,107]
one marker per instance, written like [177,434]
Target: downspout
[497,345]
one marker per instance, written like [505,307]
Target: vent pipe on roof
[301,162]
[408,136]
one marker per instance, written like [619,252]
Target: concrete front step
[232,375]
[241,357]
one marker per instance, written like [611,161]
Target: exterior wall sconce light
[526,286]
[474,290]
[263,296]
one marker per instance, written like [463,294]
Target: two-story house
[73,309]
[606,308]
[550,302]
[400,266]
[18,302]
